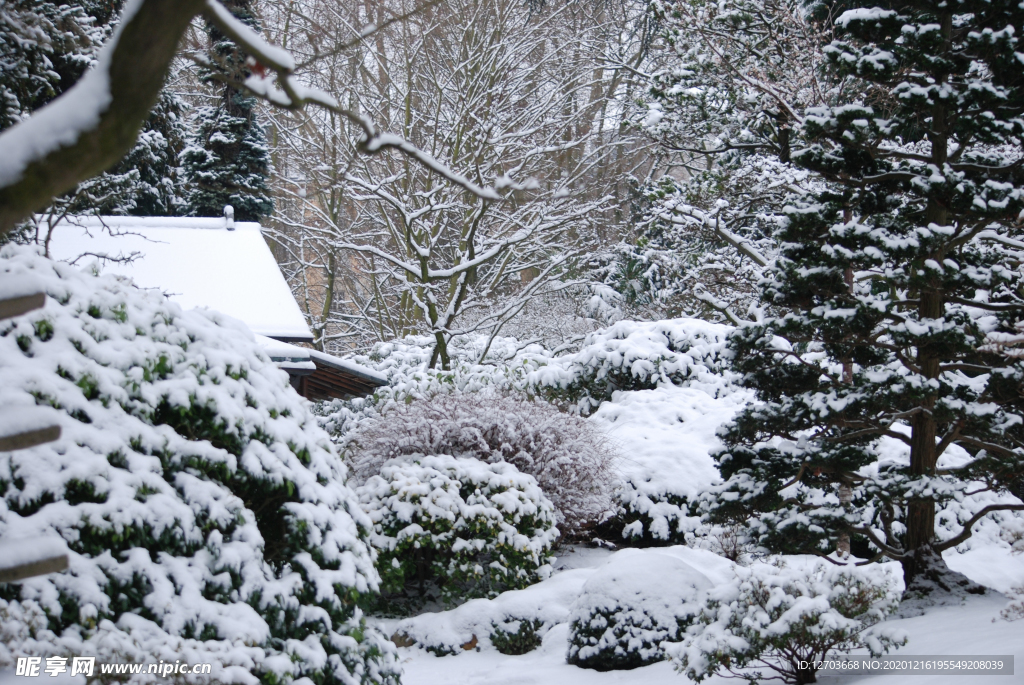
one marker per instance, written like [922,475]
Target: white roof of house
[196,262]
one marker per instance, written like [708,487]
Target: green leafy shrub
[525,638]
[455,529]
[632,605]
[205,511]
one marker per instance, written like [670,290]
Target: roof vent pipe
[229,217]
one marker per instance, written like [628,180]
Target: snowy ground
[665,435]
[967,629]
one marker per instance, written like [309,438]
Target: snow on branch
[284,91]
[716,224]
[89,128]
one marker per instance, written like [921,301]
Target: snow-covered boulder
[456,526]
[205,511]
[631,605]
[483,623]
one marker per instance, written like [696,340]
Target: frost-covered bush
[785,620]
[570,457]
[205,511]
[632,605]
[456,527]
[633,355]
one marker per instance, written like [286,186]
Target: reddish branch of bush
[570,458]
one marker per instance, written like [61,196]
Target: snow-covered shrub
[521,637]
[632,605]
[1014,609]
[570,457]
[633,355]
[206,513]
[786,620]
[457,526]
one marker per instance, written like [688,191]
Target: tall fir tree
[903,283]
[228,161]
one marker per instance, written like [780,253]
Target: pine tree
[158,189]
[228,162]
[44,47]
[902,281]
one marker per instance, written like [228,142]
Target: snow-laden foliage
[44,48]
[894,289]
[205,511]
[685,260]
[571,458]
[227,160]
[630,607]
[456,528]
[628,355]
[633,355]
[786,620]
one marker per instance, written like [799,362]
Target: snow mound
[630,606]
[205,511]
[544,604]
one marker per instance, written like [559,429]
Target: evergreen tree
[228,162]
[44,48]
[902,281]
[157,190]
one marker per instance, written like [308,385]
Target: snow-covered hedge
[785,620]
[206,512]
[629,355]
[570,457]
[459,527]
[634,355]
[631,606]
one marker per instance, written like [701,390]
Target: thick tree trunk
[923,566]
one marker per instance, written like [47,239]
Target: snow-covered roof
[196,262]
[290,356]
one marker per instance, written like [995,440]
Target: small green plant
[525,638]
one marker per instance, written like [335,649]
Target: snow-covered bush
[458,527]
[632,605]
[633,355]
[786,620]
[520,637]
[1014,609]
[205,511]
[570,458]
